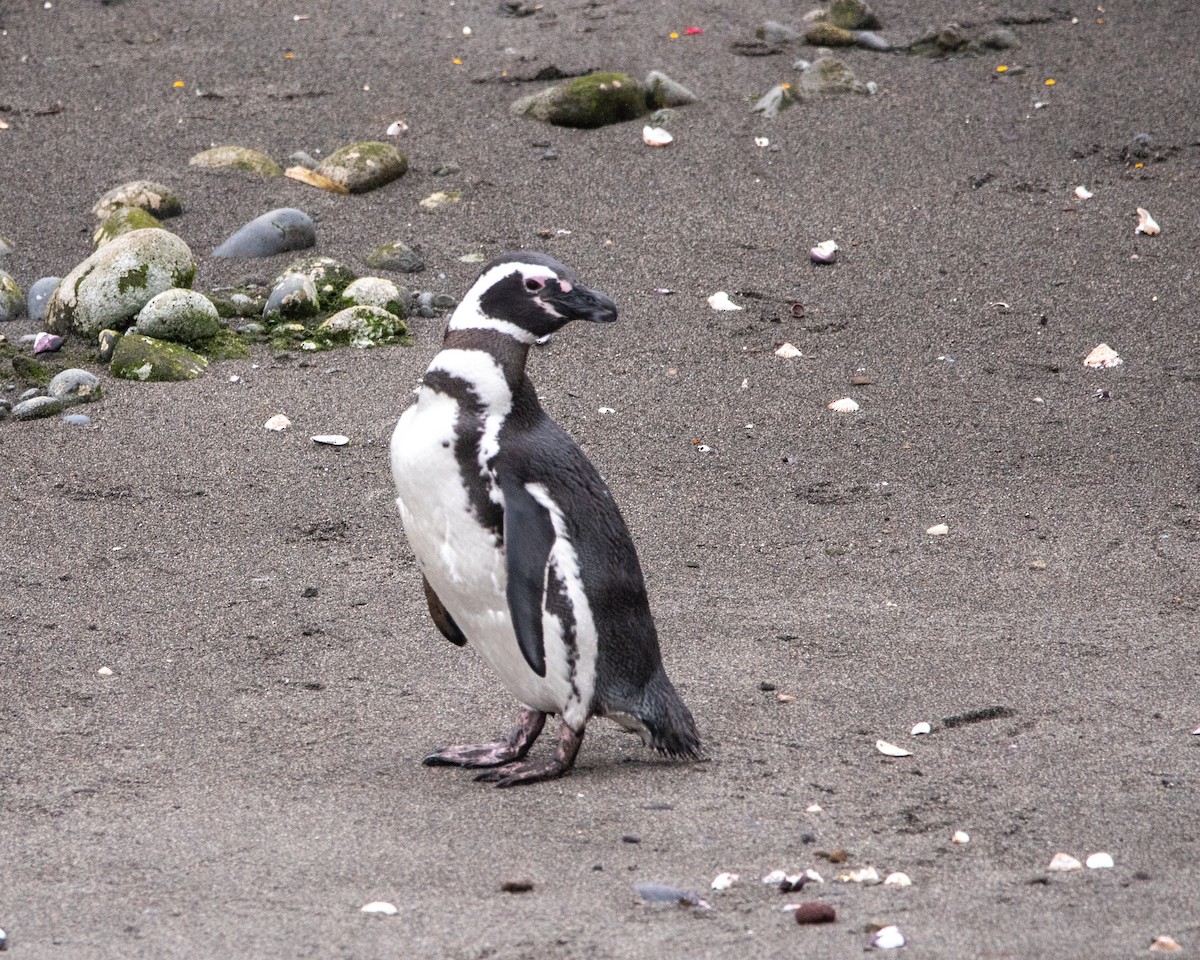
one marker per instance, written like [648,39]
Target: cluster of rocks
[598,99]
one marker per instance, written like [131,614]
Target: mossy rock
[852,15]
[146,195]
[181,316]
[829,75]
[293,297]
[123,220]
[376,292]
[32,371]
[143,358]
[225,344]
[236,158]
[329,276]
[111,286]
[587,102]
[246,300]
[662,91]
[365,165]
[396,255]
[12,301]
[827,35]
[364,326]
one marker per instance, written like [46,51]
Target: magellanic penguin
[522,549]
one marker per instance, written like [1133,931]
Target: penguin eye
[534,284]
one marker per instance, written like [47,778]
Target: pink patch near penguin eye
[534,283]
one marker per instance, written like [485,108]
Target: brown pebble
[838,856]
[516,886]
[860,380]
[815,913]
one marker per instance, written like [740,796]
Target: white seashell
[1063,863]
[920,728]
[606,410]
[887,938]
[814,876]
[331,440]
[720,301]
[466,31]
[104,672]
[1083,193]
[868,876]
[381,907]
[844,405]
[897,879]
[234,378]
[761,142]
[703,448]
[1103,357]
[789,351]
[775,877]
[1165,944]
[1196,732]
[397,127]
[1146,223]
[1099,861]
[278,423]
[960,837]
[723,881]
[655,136]
[891,750]
[814,808]
[938,530]
[824,252]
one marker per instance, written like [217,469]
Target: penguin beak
[575,302]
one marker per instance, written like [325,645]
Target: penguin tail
[664,721]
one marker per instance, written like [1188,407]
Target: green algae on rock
[595,100]
[236,158]
[365,165]
[123,220]
[823,34]
[112,285]
[138,357]
[329,276]
[181,316]
[145,195]
[364,326]
[12,301]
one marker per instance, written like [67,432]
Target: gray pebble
[77,419]
[396,255]
[74,386]
[39,296]
[37,407]
[294,296]
[12,303]
[302,159]
[30,394]
[871,41]
[446,169]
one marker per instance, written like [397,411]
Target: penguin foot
[513,747]
[531,771]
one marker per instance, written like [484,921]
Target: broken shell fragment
[891,750]
[814,876]
[104,672]
[331,440]
[867,876]
[720,301]
[844,405]
[381,907]
[1063,863]
[1099,861]
[897,879]
[774,878]
[1165,944]
[1083,193]
[1146,224]
[938,530]
[662,893]
[278,423]
[887,938]
[397,127]
[723,881]
[817,808]
[789,351]
[1103,357]
[920,728]
[655,136]
[960,837]
[824,252]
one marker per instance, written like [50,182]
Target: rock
[776,34]
[30,394]
[302,159]
[293,297]
[365,165]
[829,75]
[6,246]
[114,283]
[440,198]
[591,101]
[181,316]
[46,343]
[329,276]
[138,357]
[376,292]
[12,301]
[446,169]
[852,15]
[365,326]
[952,37]
[77,419]
[75,386]
[31,370]
[824,34]
[999,39]
[662,91]
[396,255]
[107,343]
[871,41]
[278,231]
[38,298]
[664,117]
[778,98]
[236,158]
[122,220]
[247,300]
[35,408]
[143,194]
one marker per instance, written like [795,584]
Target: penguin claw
[511,748]
[515,774]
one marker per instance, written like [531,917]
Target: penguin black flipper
[528,537]
[441,616]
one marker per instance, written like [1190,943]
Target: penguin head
[529,295]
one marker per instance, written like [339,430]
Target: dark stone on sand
[814,912]
[978,716]
[516,886]
[396,255]
[278,231]
[37,300]
[365,165]
[587,102]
